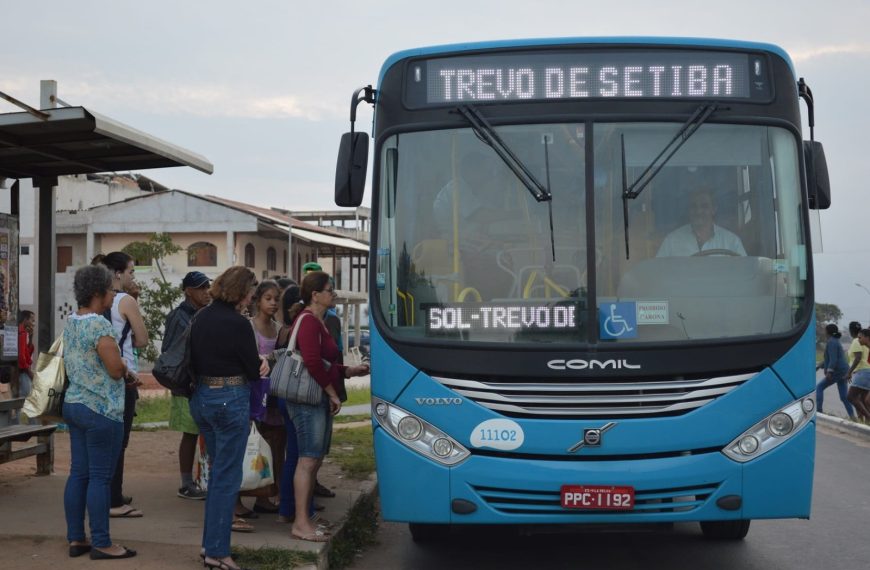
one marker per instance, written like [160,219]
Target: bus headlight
[417,434]
[772,431]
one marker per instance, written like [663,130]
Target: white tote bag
[257,463]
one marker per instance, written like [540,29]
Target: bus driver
[700,234]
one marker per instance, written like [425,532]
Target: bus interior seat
[528,266]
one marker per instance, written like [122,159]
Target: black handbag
[172,369]
[290,378]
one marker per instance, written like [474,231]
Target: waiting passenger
[859,372]
[700,234]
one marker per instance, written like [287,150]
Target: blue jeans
[287,506]
[842,388]
[95,442]
[222,415]
[313,427]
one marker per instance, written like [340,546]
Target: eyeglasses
[330,291]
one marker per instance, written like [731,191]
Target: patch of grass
[351,418]
[149,410]
[265,558]
[356,396]
[359,532]
[353,450]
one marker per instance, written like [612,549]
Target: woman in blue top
[835,366]
[94,410]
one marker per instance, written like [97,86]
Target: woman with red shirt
[26,324]
[314,423]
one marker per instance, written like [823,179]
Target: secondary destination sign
[475,317]
[601,74]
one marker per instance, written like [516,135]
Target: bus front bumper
[502,490]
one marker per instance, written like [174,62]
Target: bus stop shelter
[51,142]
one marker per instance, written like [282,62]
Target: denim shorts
[861,379]
[313,427]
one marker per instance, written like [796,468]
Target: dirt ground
[32,527]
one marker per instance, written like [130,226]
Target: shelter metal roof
[342,242]
[75,140]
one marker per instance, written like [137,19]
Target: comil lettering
[581,364]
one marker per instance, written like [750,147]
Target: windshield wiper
[486,133]
[630,192]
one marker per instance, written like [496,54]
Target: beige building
[214,234]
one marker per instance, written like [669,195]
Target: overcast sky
[262,88]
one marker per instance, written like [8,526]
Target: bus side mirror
[350,171]
[818,184]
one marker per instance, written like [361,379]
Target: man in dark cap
[196,296]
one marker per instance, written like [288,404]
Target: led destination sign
[471,317]
[524,77]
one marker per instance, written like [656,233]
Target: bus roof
[622,40]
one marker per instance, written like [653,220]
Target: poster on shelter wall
[8,270]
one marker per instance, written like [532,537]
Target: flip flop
[320,520]
[241,525]
[130,513]
[316,536]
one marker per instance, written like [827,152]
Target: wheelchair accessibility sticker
[617,320]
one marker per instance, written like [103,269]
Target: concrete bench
[44,447]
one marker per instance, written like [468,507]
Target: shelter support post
[46,264]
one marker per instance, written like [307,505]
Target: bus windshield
[716,240]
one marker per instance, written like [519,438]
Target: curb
[844,426]
[368,488]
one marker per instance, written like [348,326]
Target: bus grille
[525,502]
[595,400]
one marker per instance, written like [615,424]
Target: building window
[284,257]
[271,259]
[202,254]
[250,255]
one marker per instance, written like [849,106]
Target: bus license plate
[598,497]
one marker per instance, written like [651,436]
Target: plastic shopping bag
[257,463]
[201,464]
[49,384]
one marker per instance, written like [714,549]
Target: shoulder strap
[291,346]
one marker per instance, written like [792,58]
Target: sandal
[241,525]
[100,555]
[219,565]
[248,514]
[316,536]
[125,512]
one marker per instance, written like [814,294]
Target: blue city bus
[591,283]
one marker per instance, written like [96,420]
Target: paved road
[836,537]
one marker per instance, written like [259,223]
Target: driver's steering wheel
[706,252]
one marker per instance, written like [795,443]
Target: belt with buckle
[221,381]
